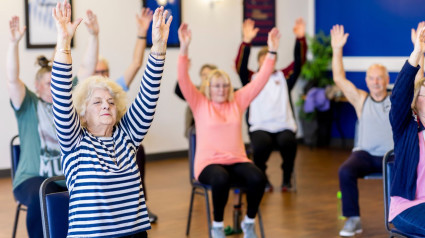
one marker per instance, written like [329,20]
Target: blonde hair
[216,73]
[417,89]
[84,90]
[103,60]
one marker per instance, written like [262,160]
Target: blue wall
[376,27]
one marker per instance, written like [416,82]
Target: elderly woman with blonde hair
[220,158]
[99,137]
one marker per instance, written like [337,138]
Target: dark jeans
[412,220]
[142,234]
[264,142]
[27,193]
[222,177]
[359,164]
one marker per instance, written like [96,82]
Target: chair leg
[15,225]
[207,201]
[260,223]
[189,217]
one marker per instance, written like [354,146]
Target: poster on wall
[41,28]
[264,14]
[174,9]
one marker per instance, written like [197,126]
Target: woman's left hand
[160,30]
[273,39]
[62,15]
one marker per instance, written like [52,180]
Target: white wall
[216,30]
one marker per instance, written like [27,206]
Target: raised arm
[246,94]
[413,35]
[292,71]
[143,20]
[65,116]
[249,32]
[189,91]
[139,116]
[402,94]
[88,65]
[354,95]
[15,85]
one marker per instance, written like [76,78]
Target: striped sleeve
[66,120]
[139,116]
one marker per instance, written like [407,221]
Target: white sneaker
[217,232]
[248,230]
[351,227]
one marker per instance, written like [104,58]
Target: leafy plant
[317,69]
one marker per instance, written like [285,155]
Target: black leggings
[222,177]
[142,234]
[264,142]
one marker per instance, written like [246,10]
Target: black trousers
[264,142]
[244,175]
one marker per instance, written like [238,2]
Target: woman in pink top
[220,158]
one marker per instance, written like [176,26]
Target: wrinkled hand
[420,40]
[16,33]
[160,29]
[91,23]
[249,30]
[273,39]
[62,15]
[144,19]
[185,35]
[299,28]
[338,38]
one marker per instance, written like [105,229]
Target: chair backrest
[15,150]
[192,150]
[387,167]
[54,208]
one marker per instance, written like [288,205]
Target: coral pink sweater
[219,125]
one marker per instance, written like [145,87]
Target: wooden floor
[311,212]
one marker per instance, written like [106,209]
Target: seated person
[220,158]
[270,117]
[40,152]
[407,116]
[374,129]
[99,137]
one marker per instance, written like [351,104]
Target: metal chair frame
[14,160]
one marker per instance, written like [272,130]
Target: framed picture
[41,28]
[174,9]
[264,14]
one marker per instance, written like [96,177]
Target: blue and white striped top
[106,195]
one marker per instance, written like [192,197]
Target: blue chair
[54,210]
[202,189]
[15,150]
[387,167]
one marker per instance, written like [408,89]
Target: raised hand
[91,23]
[414,32]
[273,39]
[420,40]
[338,38]
[185,35]
[299,28]
[160,30]
[16,33]
[62,15]
[249,30]
[144,19]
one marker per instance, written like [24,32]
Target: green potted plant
[316,73]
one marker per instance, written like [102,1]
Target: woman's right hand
[62,15]
[249,31]
[273,39]
[185,36]
[160,30]
[16,33]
